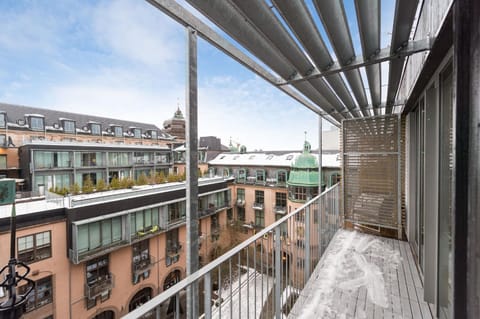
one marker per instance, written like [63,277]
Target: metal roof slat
[300,21]
[227,17]
[268,24]
[402,26]
[184,17]
[332,14]
[368,17]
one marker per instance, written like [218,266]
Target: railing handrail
[184,283]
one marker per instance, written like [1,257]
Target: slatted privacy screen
[371,164]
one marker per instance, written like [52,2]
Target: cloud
[138,32]
[125,59]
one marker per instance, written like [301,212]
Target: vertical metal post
[466,203]
[208,295]
[192,170]
[320,135]
[399,177]
[307,242]
[320,211]
[278,272]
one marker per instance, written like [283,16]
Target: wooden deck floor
[363,276]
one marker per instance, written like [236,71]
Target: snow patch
[350,263]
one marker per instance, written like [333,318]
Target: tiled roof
[16,112]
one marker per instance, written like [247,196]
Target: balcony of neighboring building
[98,286]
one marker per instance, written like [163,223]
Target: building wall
[429,23]
[57,266]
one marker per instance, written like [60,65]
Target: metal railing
[264,275]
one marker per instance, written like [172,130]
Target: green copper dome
[305,169]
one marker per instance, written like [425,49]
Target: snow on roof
[34,115]
[265,159]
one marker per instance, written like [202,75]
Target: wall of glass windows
[94,237]
[48,159]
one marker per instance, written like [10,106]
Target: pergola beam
[187,19]
[384,55]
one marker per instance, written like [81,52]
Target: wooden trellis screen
[371,171]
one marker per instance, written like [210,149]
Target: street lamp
[13,307]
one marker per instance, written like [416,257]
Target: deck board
[402,285]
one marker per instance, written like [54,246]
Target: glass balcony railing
[264,275]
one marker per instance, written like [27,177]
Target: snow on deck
[363,276]
[240,306]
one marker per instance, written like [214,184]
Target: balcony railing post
[192,170]
[278,272]
[208,295]
[320,221]
[307,242]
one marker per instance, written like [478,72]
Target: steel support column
[192,170]
[466,202]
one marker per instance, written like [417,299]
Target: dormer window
[95,129]
[3,120]
[153,134]
[37,123]
[68,126]
[137,133]
[118,131]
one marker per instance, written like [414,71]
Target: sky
[125,59]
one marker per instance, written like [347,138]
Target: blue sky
[125,59]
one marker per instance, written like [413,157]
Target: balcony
[280,209]
[240,202]
[174,249]
[258,206]
[142,264]
[100,286]
[355,273]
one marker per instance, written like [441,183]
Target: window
[154,135]
[259,197]
[226,172]
[281,177]
[118,131]
[281,199]
[141,261]
[298,193]
[89,159]
[242,174]
[119,159]
[259,218]
[241,213]
[69,126]
[3,161]
[137,133]
[143,221]
[34,247]
[283,226]
[41,294]
[36,123]
[240,194]
[3,120]
[44,159]
[95,128]
[260,175]
[3,140]
[98,275]
[173,247]
[99,234]
[176,212]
